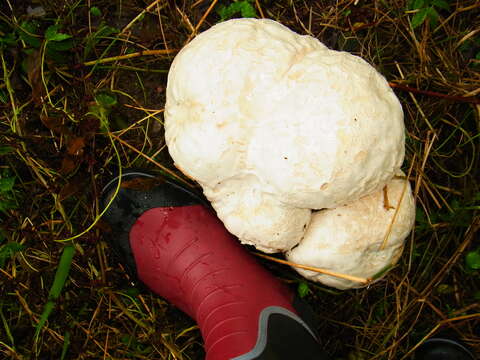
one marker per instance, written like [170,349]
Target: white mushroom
[273,124]
[359,239]
[251,214]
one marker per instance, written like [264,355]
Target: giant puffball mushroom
[253,214]
[359,239]
[273,124]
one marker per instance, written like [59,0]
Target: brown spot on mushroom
[386,203]
[361,155]
[295,75]
[324,186]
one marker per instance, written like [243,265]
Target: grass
[83,91]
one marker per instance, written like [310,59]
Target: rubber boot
[443,349]
[173,242]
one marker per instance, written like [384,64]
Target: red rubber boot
[169,237]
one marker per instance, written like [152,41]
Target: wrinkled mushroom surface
[359,239]
[273,124]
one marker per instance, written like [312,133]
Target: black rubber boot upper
[138,193]
[443,349]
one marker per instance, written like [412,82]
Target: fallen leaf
[75,146]
[75,185]
[141,184]
[88,127]
[33,68]
[103,226]
[68,165]
[54,121]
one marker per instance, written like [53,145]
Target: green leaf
[472,260]
[58,51]
[476,63]
[445,289]
[442,4]
[61,276]
[420,216]
[3,99]
[59,57]
[221,11]
[52,34]
[8,39]
[419,17]
[7,204]
[66,344]
[247,10]
[379,310]
[242,7]
[92,39]
[130,50]
[132,291]
[6,150]
[64,45]
[8,250]
[106,100]
[6,184]
[95,11]
[432,16]
[303,289]
[27,32]
[106,31]
[418,4]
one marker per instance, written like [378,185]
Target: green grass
[82,95]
